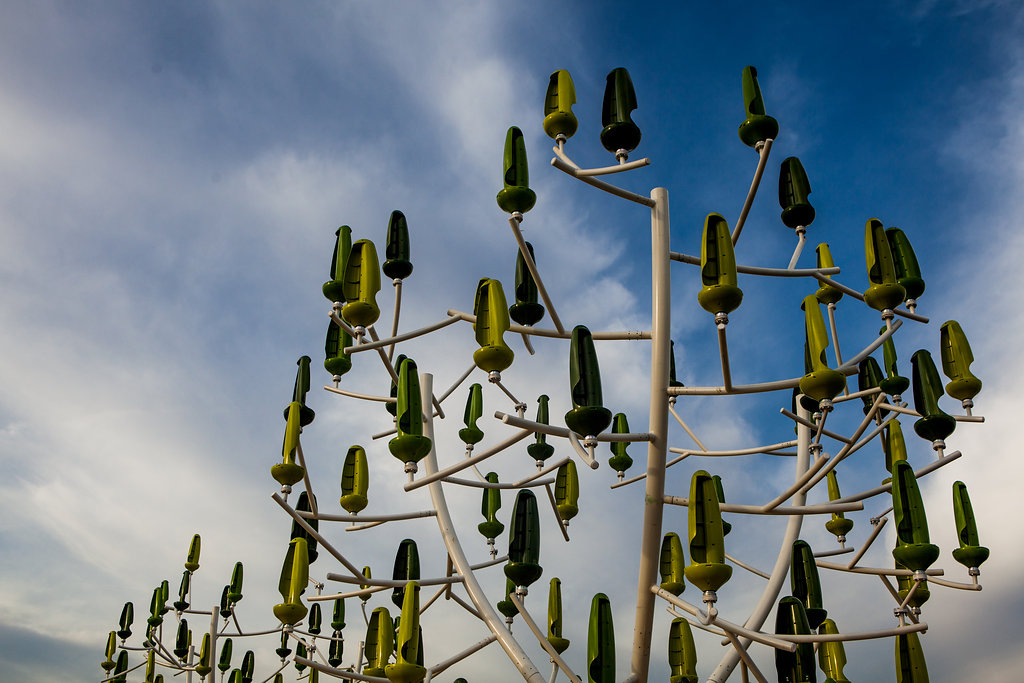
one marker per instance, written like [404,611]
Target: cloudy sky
[171,176]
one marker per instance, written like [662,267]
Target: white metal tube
[394,321]
[455,659]
[763,638]
[736,451]
[458,382]
[315,534]
[365,397]
[368,518]
[463,464]
[800,242]
[551,430]
[745,656]
[687,429]
[601,185]
[628,335]
[760,270]
[762,160]
[542,639]
[393,339]
[867,544]
[532,267]
[822,509]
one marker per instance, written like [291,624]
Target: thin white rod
[487,485]
[833,552]
[606,170]
[801,240]
[762,160]
[799,485]
[351,594]
[909,411]
[458,382]
[315,534]
[394,321]
[455,659]
[875,570]
[835,335]
[559,151]
[532,267]
[807,423]
[340,322]
[542,639]
[846,637]
[723,351]
[870,348]
[849,449]
[867,544]
[763,638]
[686,428]
[464,605]
[885,488]
[748,663]
[628,335]
[563,432]
[554,509]
[760,270]
[601,185]
[305,475]
[395,339]
[860,297]
[337,673]
[857,394]
[737,451]
[541,472]
[954,584]
[750,569]
[822,509]
[394,376]
[504,390]
[440,591]
[365,397]
[459,466]
[590,460]
[369,518]
[528,344]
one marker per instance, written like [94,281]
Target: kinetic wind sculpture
[805,636]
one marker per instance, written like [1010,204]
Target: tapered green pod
[121,668]
[124,631]
[758,126]
[619,131]
[672,380]
[934,424]
[336,649]
[192,560]
[806,587]
[832,654]
[523,566]
[526,310]
[588,416]
[111,649]
[826,294]
[410,446]
[471,433]
[893,383]
[719,292]
[283,651]
[397,265]
[364,586]
[204,666]
[908,272]
[558,101]
[838,526]
[224,662]
[236,677]
[672,564]
[334,289]
[289,471]
[707,569]
[794,189]
[798,666]
[884,292]
[248,666]
[306,413]
[620,460]
[600,642]
[822,382]
[516,194]
[720,490]
[300,651]
[407,653]
[165,595]
[338,615]
[912,549]
[225,604]
[869,376]
[540,450]
[491,324]
[303,505]
[315,619]
[682,653]
[235,587]
[555,617]
[491,528]
[379,644]
[355,480]
[567,491]
[970,553]
[336,361]
[407,568]
[294,576]
[956,357]
[506,606]
[362,282]
[910,664]
[182,640]
[905,583]
[393,406]
[181,603]
[893,445]
[156,608]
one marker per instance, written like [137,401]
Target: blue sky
[172,174]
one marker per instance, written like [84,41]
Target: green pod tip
[757,127]
[883,292]
[827,294]
[334,289]
[471,433]
[555,617]
[707,569]
[490,528]
[355,481]
[407,568]
[913,549]
[719,292]
[838,526]
[619,132]
[294,577]
[567,491]
[526,310]
[620,460]
[410,445]
[397,265]
[523,566]
[540,450]
[797,666]
[588,416]
[362,283]
[336,361]
[794,192]
[306,413]
[822,383]
[805,584]
[192,561]
[908,272]
[934,424]
[970,553]
[672,564]
[682,653]
[516,195]
[601,641]
[957,357]
[491,324]
[558,101]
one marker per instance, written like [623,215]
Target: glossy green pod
[225,604]
[567,491]
[822,382]
[334,289]
[558,101]
[471,433]
[970,553]
[393,407]
[588,416]
[600,642]
[248,666]
[707,569]
[827,294]
[620,460]
[110,650]
[284,650]
[397,265]
[910,663]
[124,631]
[224,662]
[355,480]
[869,376]
[165,595]
[156,611]
[491,528]
[526,310]
[905,583]
[204,666]
[884,292]
[288,471]
[893,383]
[181,604]
[379,644]
[758,126]
[490,326]
[516,194]
[540,450]
[336,649]
[338,615]
[306,413]
[405,669]
[619,131]
[720,490]
[913,549]
[315,619]
[555,617]
[672,564]
[235,587]
[409,446]
[235,677]
[832,654]
[794,189]
[805,584]
[957,357]
[192,560]
[336,361]
[300,651]
[294,577]
[302,505]
[506,606]
[893,445]
[407,568]
[151,666]
[523,566]
[838,526]
[798,666]
[362,283]
[182,640]
[364,586]
[682,653]
[934,424]
[672,380]
[908,272]
[719,292]
[120,668]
